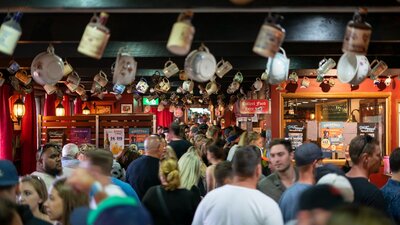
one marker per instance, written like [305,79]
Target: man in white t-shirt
[240,203]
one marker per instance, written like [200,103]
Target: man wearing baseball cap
[8,190]
[307,156]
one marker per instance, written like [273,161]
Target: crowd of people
[198,175]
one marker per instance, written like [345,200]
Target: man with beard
[48,165]
[366,157]
[281,156]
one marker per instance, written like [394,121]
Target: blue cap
[8,173]
[113,210]
[305,154]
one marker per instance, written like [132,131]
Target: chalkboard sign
[296,133]
[335,111]
[367,128]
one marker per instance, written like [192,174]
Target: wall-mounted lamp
[312,116]
[60,110]
[86,110]
[19,109]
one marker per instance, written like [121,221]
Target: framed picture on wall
[126,108]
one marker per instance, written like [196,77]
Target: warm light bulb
[60,110]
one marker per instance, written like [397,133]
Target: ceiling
[314,30]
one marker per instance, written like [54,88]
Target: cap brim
[80,216]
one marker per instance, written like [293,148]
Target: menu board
[138,135]
[114,140]
[335,111]
[56,136]
[80,136]
[296,133]
[367,128]
[332,138]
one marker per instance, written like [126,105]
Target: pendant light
[60,110]
[19,109]
[86,110]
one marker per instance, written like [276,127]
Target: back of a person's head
[102,159]
[247,137]
[222,172]
[175,128]
[216,151]
[361,144]
[286,143]
[189,168]
[213,132]
[8,212]
[341,183]
[70,150]
[152,143]
[245,161]
[170,172]
[358,215]
[394,160]
[127,156]
[85,147]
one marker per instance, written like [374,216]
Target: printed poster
[138,135]
[114,140]
[80,136]
[367,128]
[295,132]
[332,138]
[56,136]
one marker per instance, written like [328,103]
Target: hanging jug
[181,37]
[270,37]
[358,34]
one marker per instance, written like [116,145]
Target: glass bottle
[358,34]
[106,141]
[181,37]
[10,32]
[270,37]
[95,37]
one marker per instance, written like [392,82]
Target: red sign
[254,106]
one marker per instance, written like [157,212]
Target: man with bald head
[143,172]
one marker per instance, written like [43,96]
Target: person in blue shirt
[391,190]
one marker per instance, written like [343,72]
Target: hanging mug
[258,84]
[67,68]
[377,68]
[170,68]
[182,75]
[101,78]
[80,90]
[211,88]
[50,89]
[233,87]
[264,76]
[73,81]
[181,37]
[1,79]
[238,77]
[305,83]
[188,85]
[325,65]
[119,89]
[164,85]
[388,81]
[331,82]
[95,87]
[13,67]
[142,86]
[22,76]
[223,67]
[293,78]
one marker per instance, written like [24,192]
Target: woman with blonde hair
[168,203]
[192,171]
[63,199]
[247,138]
[33,192]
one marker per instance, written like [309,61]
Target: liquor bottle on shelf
[95,38]
[10,32]
[106,141]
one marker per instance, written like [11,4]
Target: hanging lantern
[19,109]
[60,110]
[86,110]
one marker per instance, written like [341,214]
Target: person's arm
[210,178]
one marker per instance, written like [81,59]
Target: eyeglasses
[47,146]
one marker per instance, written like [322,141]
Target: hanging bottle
[10,32]
[181,37]
[94,39]
[270,37]
[358,34]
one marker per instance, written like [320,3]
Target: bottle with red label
[358,34]
[10,32]
[95,38]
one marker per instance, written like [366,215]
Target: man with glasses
[48,163]
[366,157]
